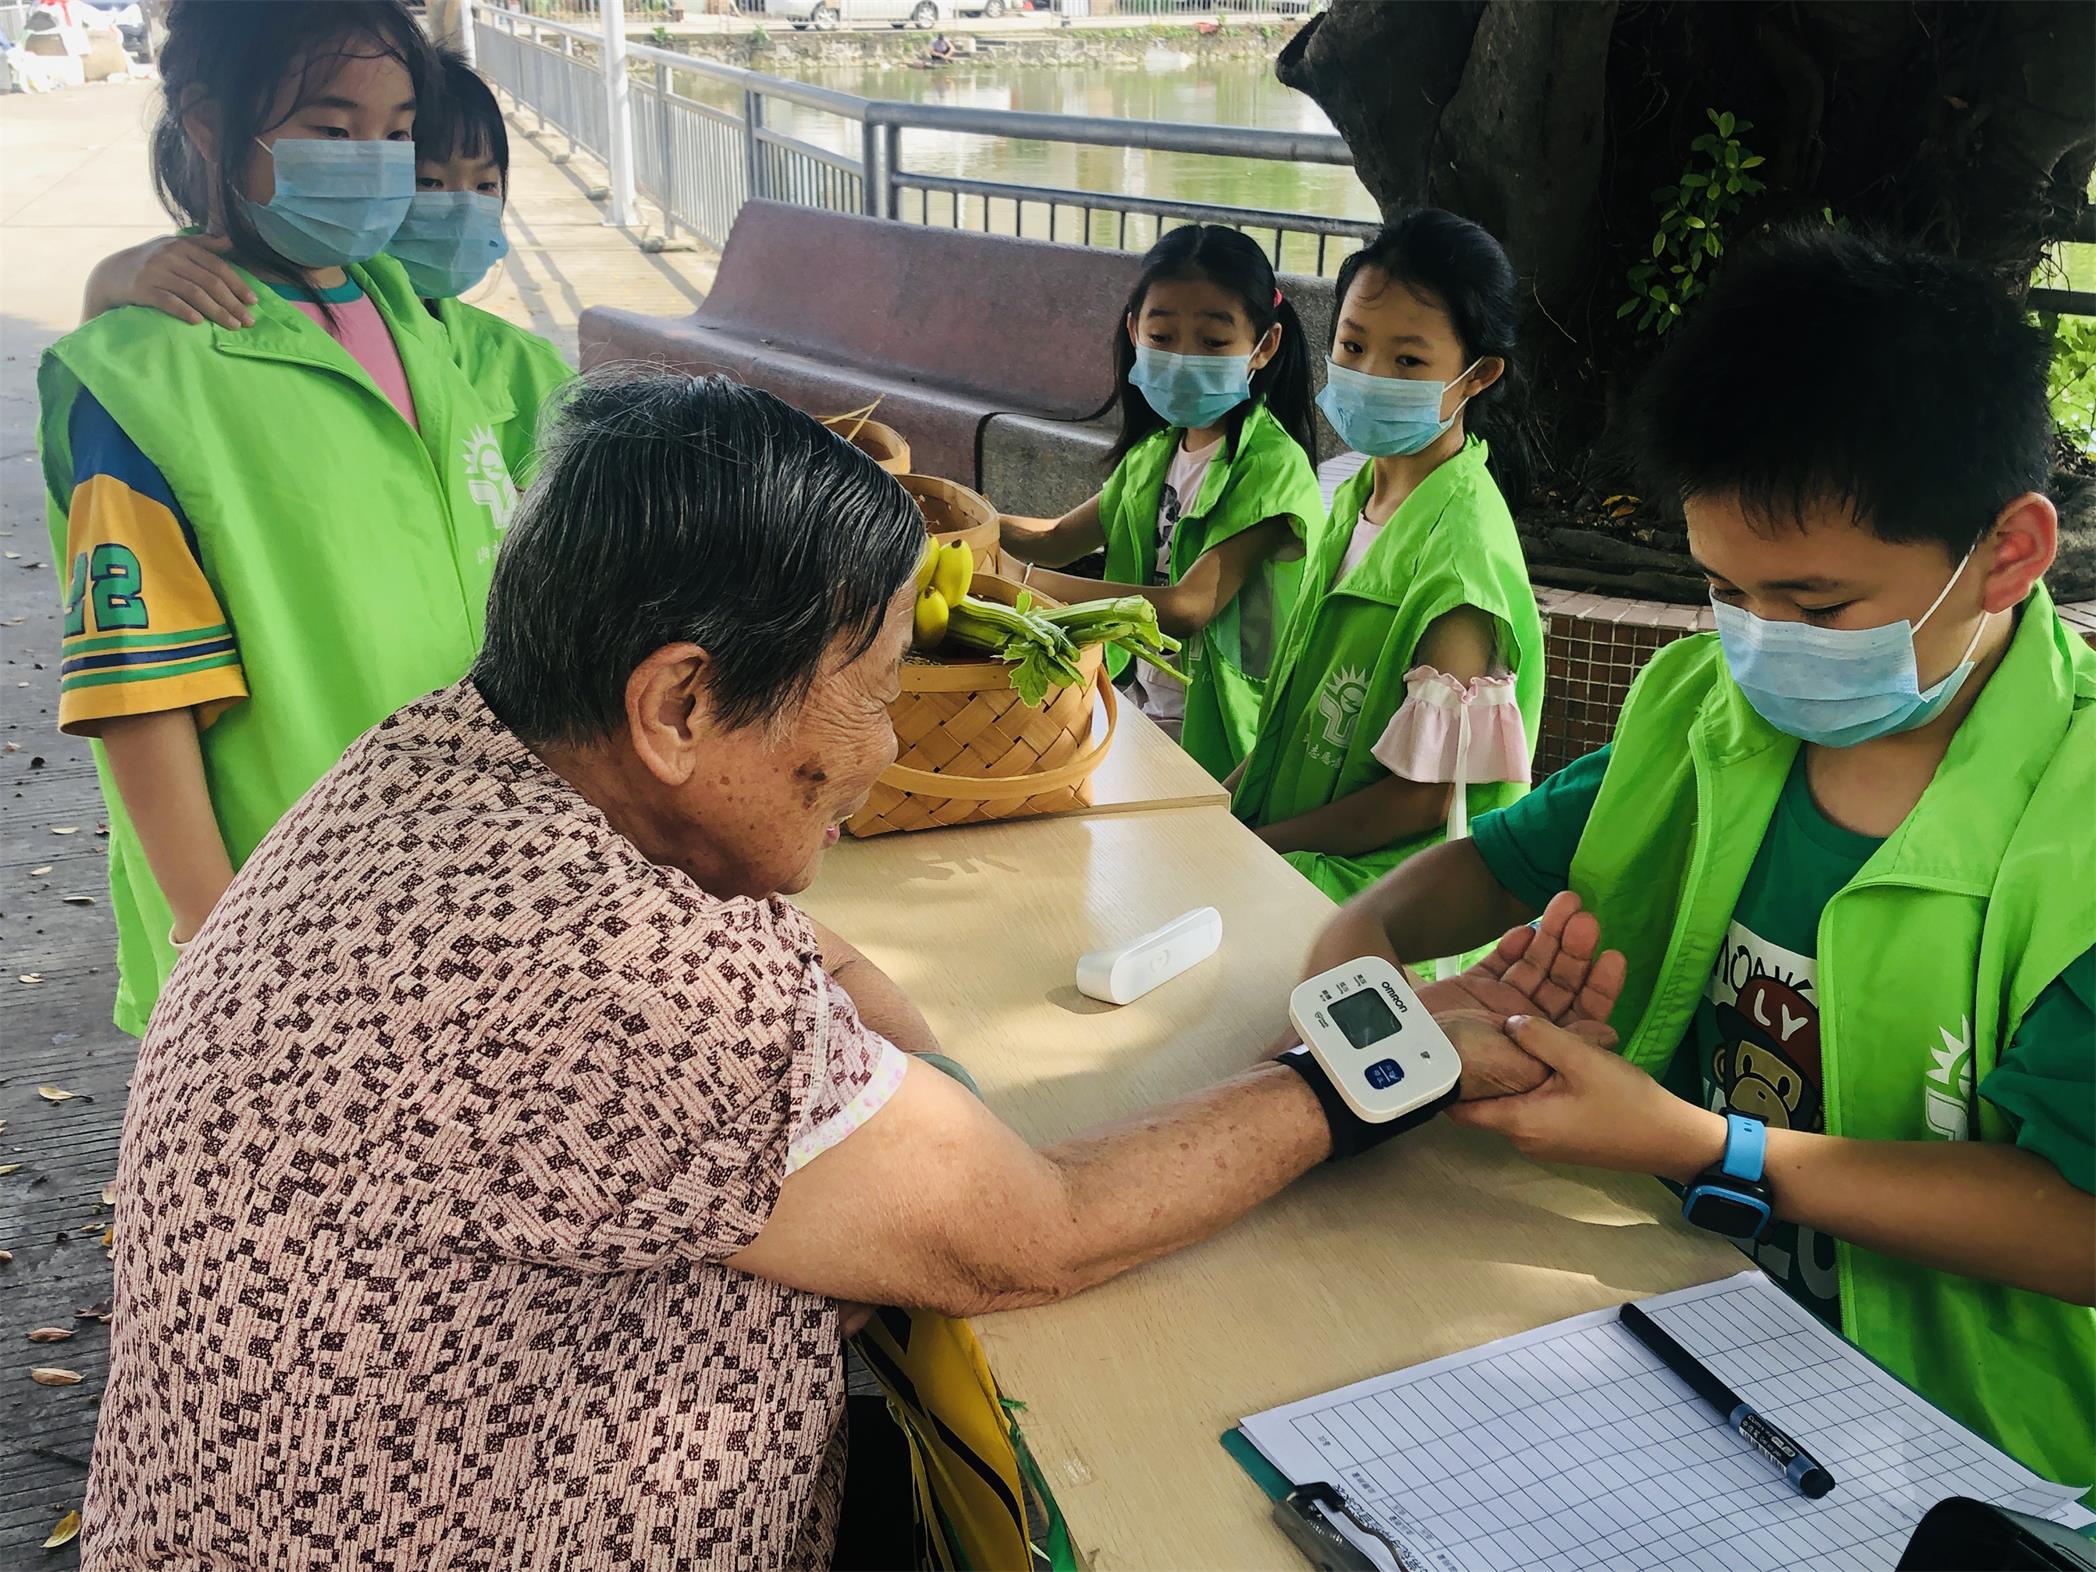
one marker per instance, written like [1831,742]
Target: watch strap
[1746,1148]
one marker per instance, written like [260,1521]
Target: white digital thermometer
[1377,1043]
[1126,972]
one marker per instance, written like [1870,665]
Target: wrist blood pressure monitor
[1377,1060]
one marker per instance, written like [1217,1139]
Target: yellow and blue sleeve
[144,632]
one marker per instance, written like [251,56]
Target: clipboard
[1306,1513]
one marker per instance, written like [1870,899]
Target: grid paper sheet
[1572,1447]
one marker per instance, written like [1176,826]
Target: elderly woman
[505,1144]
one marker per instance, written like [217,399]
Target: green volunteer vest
[1341,675]
[1928,960]
[1265,475]
[515,373]
[350,554]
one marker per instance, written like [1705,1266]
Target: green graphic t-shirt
[1754,1047]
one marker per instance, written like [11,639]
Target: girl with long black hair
[1212,496]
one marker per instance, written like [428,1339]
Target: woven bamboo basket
[953,512]
[971,752]
[880,442]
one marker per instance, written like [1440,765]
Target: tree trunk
[1965,125]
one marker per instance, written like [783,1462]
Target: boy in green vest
[1845,844]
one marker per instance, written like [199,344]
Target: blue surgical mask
[1386,417]
[1837,686]
[337,201]
[448,241]
[1191,390]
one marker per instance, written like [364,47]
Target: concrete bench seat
[946,327]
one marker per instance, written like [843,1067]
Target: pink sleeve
[1449,730]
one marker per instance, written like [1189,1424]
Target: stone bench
[950,329]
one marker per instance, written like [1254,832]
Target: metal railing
[698,162]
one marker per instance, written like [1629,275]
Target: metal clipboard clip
[1306,1515]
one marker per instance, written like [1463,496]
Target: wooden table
[1145,769]
[1440,1241]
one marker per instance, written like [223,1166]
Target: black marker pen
[1805,1475]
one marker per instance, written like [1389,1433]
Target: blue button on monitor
[1385,1073]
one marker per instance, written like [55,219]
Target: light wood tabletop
[1440,1241]
[1145,769]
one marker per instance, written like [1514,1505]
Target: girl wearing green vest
[1212,494]
[269,538]
[451,237]
[1410,679]
[1844,843]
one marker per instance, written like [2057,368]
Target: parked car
[822,15]
[993,9]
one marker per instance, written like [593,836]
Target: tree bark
[1968,126]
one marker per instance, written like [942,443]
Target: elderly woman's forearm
[1173,1175]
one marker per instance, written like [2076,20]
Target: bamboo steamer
[879,441]
[971,751]
[953,512]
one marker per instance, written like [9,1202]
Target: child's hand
[1492,1065]
[185,276]
[1598,1109]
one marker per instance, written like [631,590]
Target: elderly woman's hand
[1556,970]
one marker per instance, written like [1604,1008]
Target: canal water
[1160,84]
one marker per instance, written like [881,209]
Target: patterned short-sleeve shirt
[441,1133]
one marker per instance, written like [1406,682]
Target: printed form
[1572,1447]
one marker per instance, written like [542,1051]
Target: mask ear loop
[1467,397]
[1978,628]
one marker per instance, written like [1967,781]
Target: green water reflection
[1165,84]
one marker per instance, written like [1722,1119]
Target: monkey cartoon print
[1766,1063]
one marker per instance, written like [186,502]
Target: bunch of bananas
[1041,646]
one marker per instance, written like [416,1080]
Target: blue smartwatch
[1731,1199]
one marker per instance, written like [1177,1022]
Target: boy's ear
[2025,538]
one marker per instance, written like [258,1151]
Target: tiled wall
[1593,645]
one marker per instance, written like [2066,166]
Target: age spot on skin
[812,781]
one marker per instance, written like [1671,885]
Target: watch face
[1734,1216]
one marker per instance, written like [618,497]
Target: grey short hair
[673,509]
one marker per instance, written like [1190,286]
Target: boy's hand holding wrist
[1598,1110]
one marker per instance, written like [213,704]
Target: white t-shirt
[1364,538]
[1162,699]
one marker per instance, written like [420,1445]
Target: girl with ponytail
[1409,685]
[1212,496]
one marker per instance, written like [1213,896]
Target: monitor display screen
[1364,1016]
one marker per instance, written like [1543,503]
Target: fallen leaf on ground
[10,1168]
[6,1256]
[98,1311]
[108,1238]
[55,1094]
[45,1375]
[65,829]
[79,900]
[38,873]
[109,1193]
[64,1534]
[50,1334]
[30,979]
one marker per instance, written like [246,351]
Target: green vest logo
[487,477]
[1947,1088]
[1339,703]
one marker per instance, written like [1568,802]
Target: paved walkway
[73,188]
